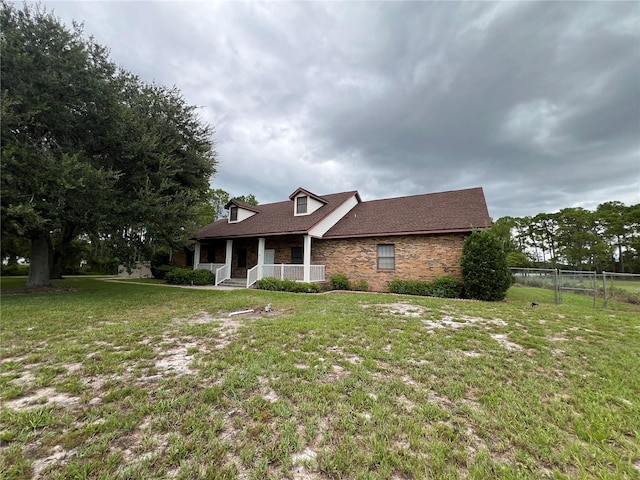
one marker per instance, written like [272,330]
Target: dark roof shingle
[453,211]
[273,219]
[444,212]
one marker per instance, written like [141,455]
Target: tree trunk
[58,252]
[620,256]
[55,272]
[39,266]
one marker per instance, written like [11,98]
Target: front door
[269,256]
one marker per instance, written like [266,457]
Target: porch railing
[285,271]
[212,267]
[222,274]
[252,276]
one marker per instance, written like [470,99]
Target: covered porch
[284,257]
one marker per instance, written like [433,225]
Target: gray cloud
[537,102]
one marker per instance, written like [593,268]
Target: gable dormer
[239,211]
[305,202]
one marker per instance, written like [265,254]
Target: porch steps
[235,283]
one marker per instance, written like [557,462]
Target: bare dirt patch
[461,321]
[58,454]
[337,373]
[26,378]
[503,340]
[176,360]
[401,309]
[42,397]
[306,455]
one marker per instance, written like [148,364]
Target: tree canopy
[88,148]
[607,238]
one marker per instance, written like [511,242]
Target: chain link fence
[575,281]
[538,277]
[605,286]
[622,287]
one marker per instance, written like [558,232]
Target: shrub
[484,267]
[339,282]
[15,269]
[162,271]
[276,285]
[159,261]
[446,287]
[107,266]
[410,287]
[186,276]
[269,283]
[361,286]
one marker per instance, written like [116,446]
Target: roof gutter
[397,234]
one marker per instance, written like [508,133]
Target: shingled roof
[273,219]
[444,212]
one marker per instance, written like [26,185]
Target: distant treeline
[607,238]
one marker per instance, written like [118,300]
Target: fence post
[556,287]
[559,273]
[604,290]
[595,287]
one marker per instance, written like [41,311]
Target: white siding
[312,205]
[242,215]
[325,224]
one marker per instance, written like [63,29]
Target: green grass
[153,281]
[629,285]
[118,380]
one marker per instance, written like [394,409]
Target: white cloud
[538,102]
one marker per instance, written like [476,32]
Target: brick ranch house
[312,237]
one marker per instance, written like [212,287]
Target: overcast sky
[536,102]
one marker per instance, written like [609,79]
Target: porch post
[196,256]
[261,244]
[228,255]
[306,249]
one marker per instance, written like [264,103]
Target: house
[311,237]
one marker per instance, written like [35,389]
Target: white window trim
[378,257]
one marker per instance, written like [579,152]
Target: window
[233,214]
[386,257]
[242,258]
[297,255]
[302,205]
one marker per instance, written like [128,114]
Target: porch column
[306,249]
[196,256]
[261,244]
[228,255]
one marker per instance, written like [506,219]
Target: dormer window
[301,207]
[305,202]
[240,211]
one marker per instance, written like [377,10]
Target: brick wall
[417,257]
[283,245]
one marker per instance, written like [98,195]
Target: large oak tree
[90,149]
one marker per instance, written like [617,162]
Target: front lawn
[122,381]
